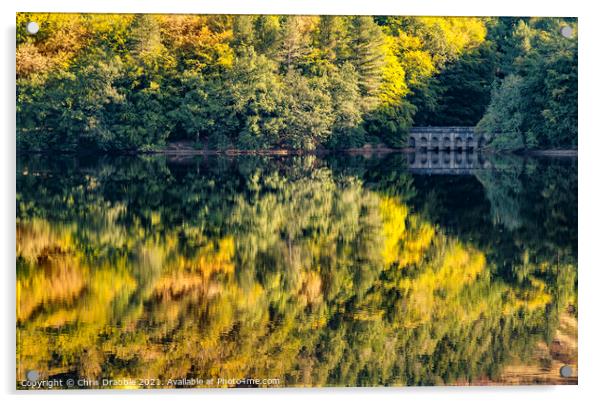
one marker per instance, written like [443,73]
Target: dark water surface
[296,271]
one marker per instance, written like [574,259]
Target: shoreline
[357,151]
[549,153]
[280,152]
[189,152]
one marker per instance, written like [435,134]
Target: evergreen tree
[368,57]
[295,42]
[333,38]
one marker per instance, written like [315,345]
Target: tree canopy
[134,82]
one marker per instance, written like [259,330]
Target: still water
[341,270]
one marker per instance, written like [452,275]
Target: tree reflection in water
[334,271]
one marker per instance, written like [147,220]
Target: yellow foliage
[434,292]
[311,288]
[459,34]
[66,35]
[197,35]
[37,239]
[394,228]
[394,85]
[454,35]
[405,237]
[60,279]
[216,258]
[187,275]
[419,238]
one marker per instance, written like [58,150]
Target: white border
[369,7]
[590,146]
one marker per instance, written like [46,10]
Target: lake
[334,270]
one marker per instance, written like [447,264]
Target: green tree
[505,116]
[536,104]
[347,129]
[308,111]
[368,57]
[333,37]
[254,99]
[295,42]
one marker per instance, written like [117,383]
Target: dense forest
[136,82]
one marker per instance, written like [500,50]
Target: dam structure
[446,150]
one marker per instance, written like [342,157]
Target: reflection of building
[445,138]
[446,162]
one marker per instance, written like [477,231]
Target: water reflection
[336,271]
[454,162]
